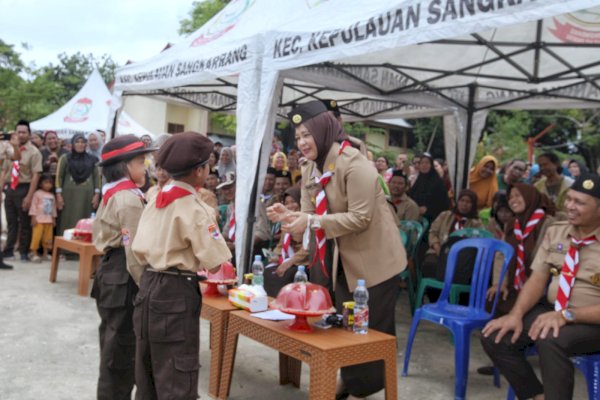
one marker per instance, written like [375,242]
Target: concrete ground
[49,349]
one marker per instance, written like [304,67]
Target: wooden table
[216,310]
[325,351]
[89,257]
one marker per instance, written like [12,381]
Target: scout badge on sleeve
[125,237]
[213,230]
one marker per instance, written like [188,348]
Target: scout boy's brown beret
[184,151]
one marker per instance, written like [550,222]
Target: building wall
[155,115]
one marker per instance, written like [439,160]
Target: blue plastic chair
[589,365]
[462,320]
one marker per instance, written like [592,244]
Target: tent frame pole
[251,219]
[469,130]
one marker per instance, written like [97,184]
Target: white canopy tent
[87,111]
[457,58]
[380,59]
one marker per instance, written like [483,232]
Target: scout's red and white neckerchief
[170,193]
[459,222]
[287,251]
[110,189]
[15,170]
[231,231]
[14,175]
[569,271]
[520,275]
[321,209]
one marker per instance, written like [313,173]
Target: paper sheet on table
[273,315]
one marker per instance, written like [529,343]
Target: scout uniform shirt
[359,218]
[551,257]
[406,209]
[184,234]
[30,163]
[116,225]
[441,226]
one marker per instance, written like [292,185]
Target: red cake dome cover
[84,225]
[225,273]
[308,298]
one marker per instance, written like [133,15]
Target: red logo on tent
[225,21]
[80,110]
[579,27]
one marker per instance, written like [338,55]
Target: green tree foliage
[201,12]
[31,93]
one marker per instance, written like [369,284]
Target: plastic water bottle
[361,308]
[93,215]
[257,272]
[301,275]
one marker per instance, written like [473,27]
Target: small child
[43,218]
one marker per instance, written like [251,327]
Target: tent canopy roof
[87,111]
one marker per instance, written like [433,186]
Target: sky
[125,29]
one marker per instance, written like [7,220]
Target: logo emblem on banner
[80,110]
[578,27]
[223,22]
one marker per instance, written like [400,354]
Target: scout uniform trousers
[557,368]
[167,330]
[18,221]
[114,291]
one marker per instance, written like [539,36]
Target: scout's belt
[172,271]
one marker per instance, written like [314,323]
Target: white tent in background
[380,59]
[87,111]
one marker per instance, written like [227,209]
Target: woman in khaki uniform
[464,215]
[359,225]
[114,287]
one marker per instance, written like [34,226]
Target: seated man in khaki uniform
[564,323]
[405,207]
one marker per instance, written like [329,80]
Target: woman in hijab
[464,215]
[501,215]
[534,212]
[429,190]
[577,168]
[483,181]
[95,144]
[340,179]
[78,185]
[226,162]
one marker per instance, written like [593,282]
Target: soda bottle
[301,274]
[361,308]
[257,271]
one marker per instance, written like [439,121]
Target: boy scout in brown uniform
[177,236]
[566,322]
[114,289]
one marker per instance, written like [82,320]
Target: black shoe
[5,266]
[342,396]
[24,258]
[486,370]
[8,255]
